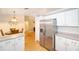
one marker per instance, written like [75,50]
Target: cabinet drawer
[60,43]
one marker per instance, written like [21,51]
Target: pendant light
[14,18]
[13,21]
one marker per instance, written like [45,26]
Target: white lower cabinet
[77,45]
[65,44]
[19,46]
[2,46]
[72,45]
[69,45]
[14,44]
[60,43]
[7,45]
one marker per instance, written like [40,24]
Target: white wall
[29,23]
[4,26]
[37,28]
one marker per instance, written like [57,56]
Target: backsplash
[70,29]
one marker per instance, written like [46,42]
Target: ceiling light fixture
[13,21]
[14,18]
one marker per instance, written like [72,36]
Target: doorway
[30,42]
[29,30]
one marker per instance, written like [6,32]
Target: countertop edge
[69,36]
[10,37]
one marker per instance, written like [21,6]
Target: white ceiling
[24,11]
[10,11]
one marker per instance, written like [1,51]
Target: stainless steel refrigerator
[47,33]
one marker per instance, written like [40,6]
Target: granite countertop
[8,37]
[69,36]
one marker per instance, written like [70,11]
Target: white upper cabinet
[71,18]
[68,18]
[65,18]
[60,19]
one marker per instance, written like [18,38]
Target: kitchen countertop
[8,37]
[69,36]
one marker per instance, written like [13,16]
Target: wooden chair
[1,31]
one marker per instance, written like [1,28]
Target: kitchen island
[14,42]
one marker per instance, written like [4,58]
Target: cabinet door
[72,45]
[2,46]
[7,45]
[76,44]
[19,44]
[60,43]
[12,45]
[69,45]
[71,17]
[60,19]
[68,18]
